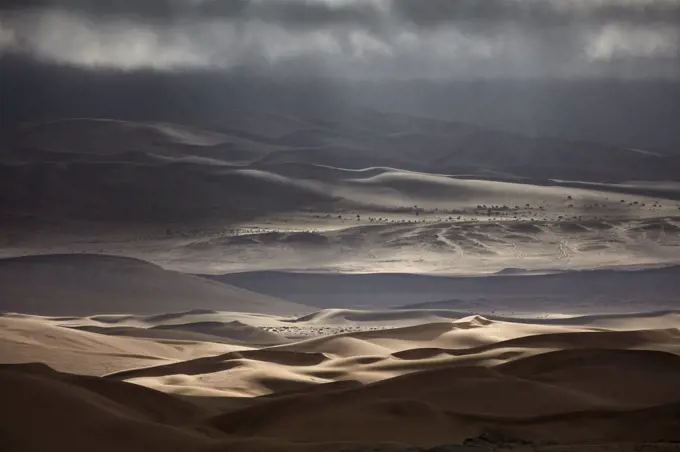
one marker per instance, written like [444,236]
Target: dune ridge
[524,383]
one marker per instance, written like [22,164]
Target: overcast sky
[442,39]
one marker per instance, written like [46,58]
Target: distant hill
[104,137]
[92,284]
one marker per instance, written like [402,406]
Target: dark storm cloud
[285,12]
[356,38]
[149,9]
[325,12]
[537,12]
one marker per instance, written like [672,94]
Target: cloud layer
[356,38]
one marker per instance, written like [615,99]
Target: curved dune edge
[424,385]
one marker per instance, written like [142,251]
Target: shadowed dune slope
[548,397]
[94,284]
[521,400]
[43,410]
[102,137]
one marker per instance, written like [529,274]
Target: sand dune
[456,147]
[324,188]
[75,413]
[155,334]
[370,356]
[581,380]
[133,191]
[450,404]
[233,332]
[653,320]
[88,284]
[88,136]
[31,339]
[332,419]
[296,161]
